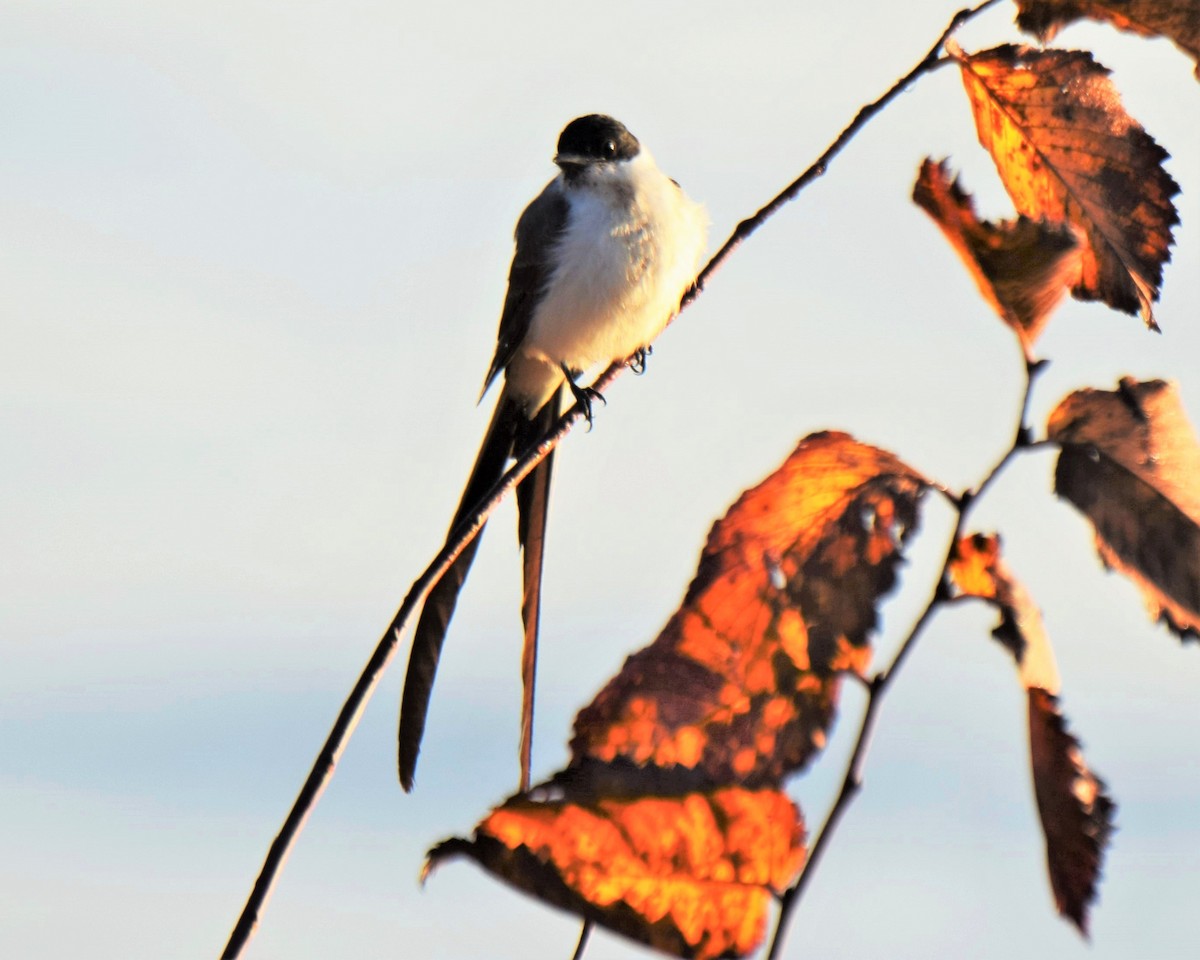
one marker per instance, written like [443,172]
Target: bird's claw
[637,363]
[583,395]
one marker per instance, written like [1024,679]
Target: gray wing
[538,230]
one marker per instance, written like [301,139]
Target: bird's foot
[637,363]
[583,395]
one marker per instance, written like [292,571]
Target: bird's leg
[583,395]
[637,363]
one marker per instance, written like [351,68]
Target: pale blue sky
[253,257]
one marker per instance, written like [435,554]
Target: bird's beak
[570,160]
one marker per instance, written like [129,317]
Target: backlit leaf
[1075,812]
[1022,267]
[1067,151]
[1177,19]
[668,825]
[690,875]
[1131,463]
[741,684]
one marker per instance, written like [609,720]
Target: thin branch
[347,720]
[930,62]
[879,684]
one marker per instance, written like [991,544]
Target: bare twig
[930,62]
[879,684]
[347,719]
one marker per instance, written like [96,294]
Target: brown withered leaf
[690,875]
[741,684]
[1178,20]
[1022,267]
[1075,812]
[1130,462]
[1067,151]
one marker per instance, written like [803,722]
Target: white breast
[631,247]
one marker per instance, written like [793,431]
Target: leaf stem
[584,933]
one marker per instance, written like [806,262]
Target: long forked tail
[533,498]
[439,605]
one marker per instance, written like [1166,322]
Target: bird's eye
[609,149]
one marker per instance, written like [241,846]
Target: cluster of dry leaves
[670,824]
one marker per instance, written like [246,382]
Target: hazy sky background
[253,258]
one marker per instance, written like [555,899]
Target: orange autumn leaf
[1022,267]
[668,825]
[1179,20]
[1067,151]
[741,684]
[1130,462]
[1075,812]
[690,875]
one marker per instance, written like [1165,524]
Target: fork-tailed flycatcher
[603,256]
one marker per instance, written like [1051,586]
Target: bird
[603,257]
